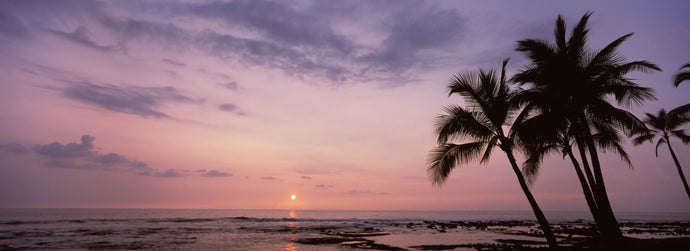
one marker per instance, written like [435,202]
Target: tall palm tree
[666,125]
[572,84]
[488,109]
[682,75]
[536,144]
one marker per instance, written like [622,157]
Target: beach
[170,229]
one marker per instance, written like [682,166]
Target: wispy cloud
[301,42]
[82,36]
[213,173]
[227,107]
[82,156]
[364,192]
[14,148]
[233,86]
[173,62]
[141,101]
[424,29]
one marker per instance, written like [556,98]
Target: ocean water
[195,229]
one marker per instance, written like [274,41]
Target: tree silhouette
[570,84]
[536,144]
[488,109]
[666,125]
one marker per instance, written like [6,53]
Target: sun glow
[293,197]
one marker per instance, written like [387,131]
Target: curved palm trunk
[680,170]
[550,239]
[610,228]
[585,163]
[585,188]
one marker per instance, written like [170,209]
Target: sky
[239,104]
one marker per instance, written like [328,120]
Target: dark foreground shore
[183,232]
[571,236]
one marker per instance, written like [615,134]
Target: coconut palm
[682,75]
[572,84]
[536,144]
[664,126]
[488,109]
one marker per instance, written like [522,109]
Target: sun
[293,197]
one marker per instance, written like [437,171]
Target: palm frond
[458,123]
[503,72]
[642,138]
[602,114]
[630,93]
[681,135]
[657,122]
[607,54]
[538,51]
[661,141]
[610,140]
[491,144]
[559,33]
[681,76]
[682,111]
[578,39]
[467,86]
[643,66]
[535,156]
[678,117]
[445,158]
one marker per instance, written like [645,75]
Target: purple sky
[238,104]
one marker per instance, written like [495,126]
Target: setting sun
[293,197]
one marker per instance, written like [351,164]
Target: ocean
[210,229]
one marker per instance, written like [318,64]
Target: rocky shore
[515,235]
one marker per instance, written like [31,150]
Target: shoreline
[318,230]
[521,235]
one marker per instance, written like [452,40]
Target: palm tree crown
[568,85]
[489,107]
[666,125]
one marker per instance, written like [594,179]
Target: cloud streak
[213,173]
[141,101]
[82,36]
[82,156]
[299,41]
[364,192]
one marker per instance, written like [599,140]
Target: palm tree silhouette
[571,84]
[536,145]
[666,125]
[682,75]
[488,109]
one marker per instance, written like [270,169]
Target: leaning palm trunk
[609,227]
[667,125]
[680,170]
[543,223]
[574,82]
[589,197]
[490,108]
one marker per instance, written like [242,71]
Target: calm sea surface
[195,229]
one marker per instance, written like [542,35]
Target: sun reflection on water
[291,236]
[290,247]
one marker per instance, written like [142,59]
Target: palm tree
[488,109]
[681,76]
[536,144]
[666,125]
[572,84]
